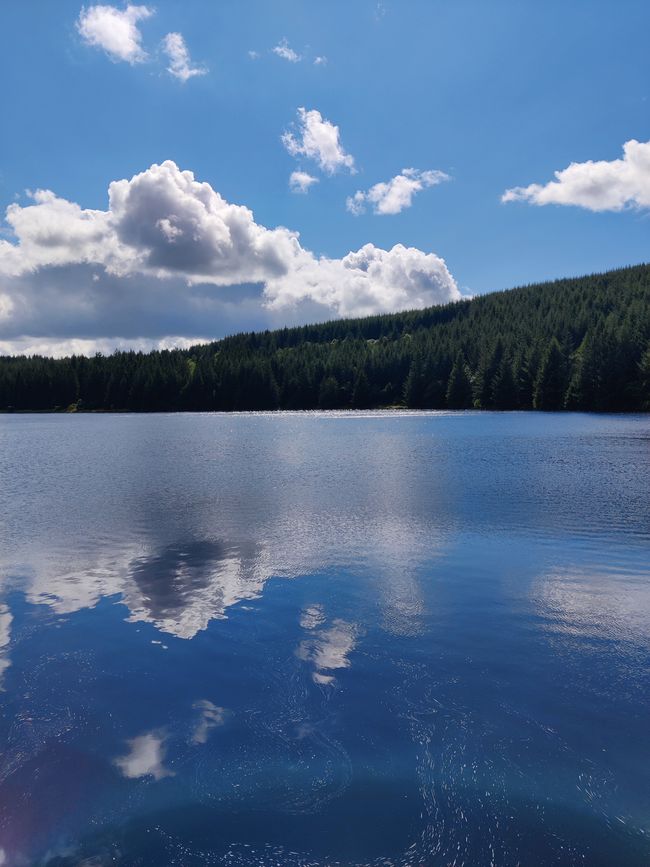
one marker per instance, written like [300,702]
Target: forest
[574,344]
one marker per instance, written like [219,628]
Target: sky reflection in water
[324,639]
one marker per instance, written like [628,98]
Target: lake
[325,639]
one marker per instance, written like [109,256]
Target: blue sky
[495,95]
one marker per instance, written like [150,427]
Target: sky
[172,172]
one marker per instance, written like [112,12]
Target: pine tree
[361,396]
[584,391]
[459,387]
[414,385]
[644,380]
[504,388]
[550,386]
[328,395]
[487,370]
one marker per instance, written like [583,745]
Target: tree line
[575,344]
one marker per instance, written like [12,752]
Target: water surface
[324,639]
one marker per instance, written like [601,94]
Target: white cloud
[115,30]
[319,140]
[595,185]
[368,281]
[53,348]
[170,256]
[321,60]
[145,757]
[392,197]
[254,55]
[180,63]
[283,50]
[299,182]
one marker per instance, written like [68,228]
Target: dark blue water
[325,639]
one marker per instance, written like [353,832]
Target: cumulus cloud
[321,60]
[299,182]
[319,140]
[393,196]
[170,256]
[115,30]
[595,185]
[283,50]
[368,281]
[180,63]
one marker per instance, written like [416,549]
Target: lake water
[325,639]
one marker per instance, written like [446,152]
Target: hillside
[579,344]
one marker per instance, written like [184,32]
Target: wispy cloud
[283,50]
[180,63]
[395,195]
[300,182]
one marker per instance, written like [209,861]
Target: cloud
[321,60]
[63,348]
[392,197]
[254,55]
[368,281]
[595,185]
[115,30]
[171,259]
[319,140]
[180,64]
[283,50]
[145,757]
[299,182]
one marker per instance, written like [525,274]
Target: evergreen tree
[361,395]
[459,387]
[504,387]
[328,395]
[581,344]
[414,385]
[550,386]
[644,380]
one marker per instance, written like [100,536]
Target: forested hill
[579,344]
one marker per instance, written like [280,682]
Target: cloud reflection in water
[146,757]
[327,649]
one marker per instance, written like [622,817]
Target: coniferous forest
[575,344]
